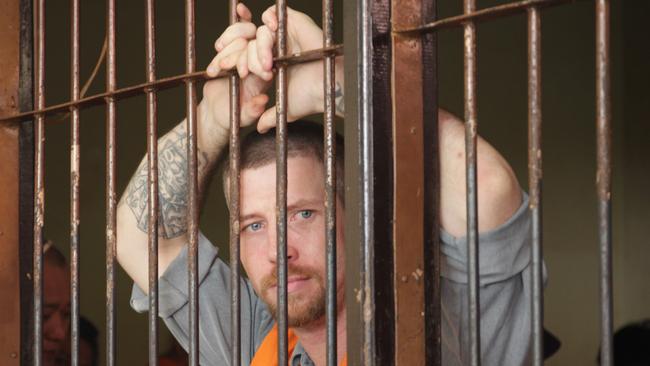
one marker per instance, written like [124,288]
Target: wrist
[212,133]
[318,105]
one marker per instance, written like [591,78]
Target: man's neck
[314,339]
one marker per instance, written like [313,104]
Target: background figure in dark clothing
[88,345]
[56,306]
[632,345]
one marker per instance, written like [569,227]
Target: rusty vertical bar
[39,184]
[111,197]
[152,180]
[235,305]
[281,183]
[193,189]
[535,178]
[13,196]
[603,178]
[369,178]
[408,165]
[74,187]
[329,160]
[431,195]
[472,202]
[26,199]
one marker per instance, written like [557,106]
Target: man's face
[56,313]
[305,238]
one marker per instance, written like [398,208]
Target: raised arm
[499,194]
[213,116]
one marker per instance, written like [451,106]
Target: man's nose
[273,246]
[56,327]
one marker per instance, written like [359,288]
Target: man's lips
[293,283]
[51,346]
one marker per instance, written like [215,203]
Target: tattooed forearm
[172,186]
[340,101]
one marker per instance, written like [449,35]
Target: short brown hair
[52,255]
[304,138]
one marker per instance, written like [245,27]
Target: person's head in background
[88,344]
[56,305]
[632,345]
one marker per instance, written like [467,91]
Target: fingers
[253,108]
[244,30]
[227,58]
[244,13]
[270,19]
[267,120]
[265,39]
[254,64]
[242,64]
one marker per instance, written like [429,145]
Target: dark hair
[52,255]
[88,332]
[631,344]
[304,138]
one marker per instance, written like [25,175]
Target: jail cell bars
[234,162]
[39,183]
[111,178]
[74,187]
[360,67]
[152,181]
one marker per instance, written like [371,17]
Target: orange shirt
[267,354]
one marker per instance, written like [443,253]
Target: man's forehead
[301,169]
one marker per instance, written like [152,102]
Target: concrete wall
[569,148]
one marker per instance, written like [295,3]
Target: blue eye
[256,226]
[305,214]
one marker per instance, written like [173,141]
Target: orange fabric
[267,354]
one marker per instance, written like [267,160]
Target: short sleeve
[214,307]
[173,284]
[503,252]
[504,294]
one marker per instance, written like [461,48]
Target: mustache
[271,279]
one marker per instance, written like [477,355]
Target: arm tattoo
[340,101]
[172,186]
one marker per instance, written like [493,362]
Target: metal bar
[27,182]
[11,276]
[308,56]
[111,197]
[474,332]
[193,189]
[483,14]
[535,178]
[281,184]
[408,163]
[39,186]
[235,305]
[152,180]
[74,188]
[329,160]
[165,83]
[369,178]
[604,177]
[431,227]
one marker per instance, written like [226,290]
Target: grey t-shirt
[504,298]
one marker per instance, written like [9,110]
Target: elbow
[120,226]
[499,194]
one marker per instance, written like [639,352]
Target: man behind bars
[503,220]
